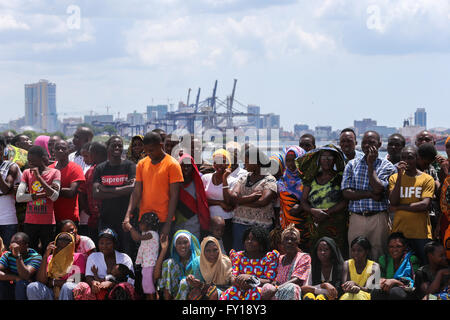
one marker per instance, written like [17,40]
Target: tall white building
[40,106]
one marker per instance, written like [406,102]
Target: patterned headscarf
[308,165]
[130,155]
[224,153]
[279,158]
[290,181]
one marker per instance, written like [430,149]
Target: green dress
[336,225]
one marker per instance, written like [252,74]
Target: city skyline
[320,61]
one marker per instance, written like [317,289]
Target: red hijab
[200,204]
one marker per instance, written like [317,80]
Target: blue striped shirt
[32,259]
[356,177]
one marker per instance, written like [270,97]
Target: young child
[119,274]
[148,250]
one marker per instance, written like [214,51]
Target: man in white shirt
[82,135]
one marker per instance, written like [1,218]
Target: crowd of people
[85,220]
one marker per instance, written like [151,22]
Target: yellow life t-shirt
[413,225]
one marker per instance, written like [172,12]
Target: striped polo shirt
[32,259]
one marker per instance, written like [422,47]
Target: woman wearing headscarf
[322,197]
[214,274]
[293,269]
[60,271]
[100,264]
[192,211]
[213,185]
[290,189]
[278,166]
[42,141]
[136,149]
[184,251]
[325,279]
[278,160]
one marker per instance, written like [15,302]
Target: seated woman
[184,251]
[60,271]
[432,278]
[99,265]
[293,269]
[325,279]
[214,273]
[253,267]
[360,274]
[397,270]
[83,244]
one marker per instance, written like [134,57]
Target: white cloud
[210,40]
[9,22]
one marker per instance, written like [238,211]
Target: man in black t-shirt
[113,184]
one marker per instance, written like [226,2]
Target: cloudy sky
[321,62]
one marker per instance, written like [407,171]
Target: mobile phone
[5,152]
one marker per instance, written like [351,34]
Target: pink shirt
[78,266]
[40,211]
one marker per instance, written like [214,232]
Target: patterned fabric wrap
[308,165]
[264,268]
[291,181]
[335,226]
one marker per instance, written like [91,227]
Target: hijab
[193,263]
[130,155]
[61,262]
[42,141]
[336,260]
[218,273]
[309,166]
[223,152]
[199,205]
[279,158]
[291,182]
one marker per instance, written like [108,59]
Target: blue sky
[322,62]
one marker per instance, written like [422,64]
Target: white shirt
[97,259]
[86,245]
[8,202]
[214,192]
[78,159]
[84,217]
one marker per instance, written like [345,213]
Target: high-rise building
[420,117]
[99,118]
[40,106]
[156,112]
[253,120]
[361,126]
[135,118]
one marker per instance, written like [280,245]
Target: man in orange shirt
[158,182]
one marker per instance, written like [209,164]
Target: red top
[67,208]
[94,204]
[40,211]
